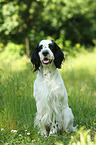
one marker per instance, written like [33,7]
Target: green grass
[18,108]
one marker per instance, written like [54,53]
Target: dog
[53,113]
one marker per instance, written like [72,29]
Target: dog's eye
[40,47]
[51,46]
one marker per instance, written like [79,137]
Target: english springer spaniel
[53,113]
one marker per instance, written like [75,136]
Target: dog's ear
[59,56]
[35,59]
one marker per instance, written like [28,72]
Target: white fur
[45,43]
[50,55]
[51,100]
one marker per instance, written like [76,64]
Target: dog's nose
[45,53]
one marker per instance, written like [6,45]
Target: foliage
[94,41]
[68,48]
[65,19]
[12,51]
[1,47]
[84,136]
[17,105]
[10,17]
[74,21]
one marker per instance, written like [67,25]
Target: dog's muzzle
[45,53]
[46,59]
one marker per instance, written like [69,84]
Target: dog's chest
[47,82]
[48,85]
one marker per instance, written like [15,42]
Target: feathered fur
[53,113]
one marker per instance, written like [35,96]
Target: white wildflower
[28,133]
[2,129]
[20,135]
[14,131]
[45,136]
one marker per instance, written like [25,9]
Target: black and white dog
[53,112]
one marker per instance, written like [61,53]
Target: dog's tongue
[46,61]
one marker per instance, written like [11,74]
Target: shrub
[12,51]
[1,47]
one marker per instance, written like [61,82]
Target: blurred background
[72,25]
[23,23]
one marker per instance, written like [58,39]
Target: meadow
[18,108]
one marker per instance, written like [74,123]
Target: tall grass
[79,76]
[17,104]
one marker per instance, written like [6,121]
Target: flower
[2,129]
[28,133]
[33,140]
[45,136]
[14,131]
[20,135]
[25,130]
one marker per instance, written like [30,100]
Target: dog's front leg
[43,131]
[53,129]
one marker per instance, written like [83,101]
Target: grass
[17,104]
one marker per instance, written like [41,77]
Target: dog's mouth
[46,61]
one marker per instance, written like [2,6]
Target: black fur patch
[58,55]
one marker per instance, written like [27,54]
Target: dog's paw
[72,129]
[43,132]
[53,130]
[75,128]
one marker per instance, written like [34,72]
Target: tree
[33,20]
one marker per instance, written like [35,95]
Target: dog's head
[47,51]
